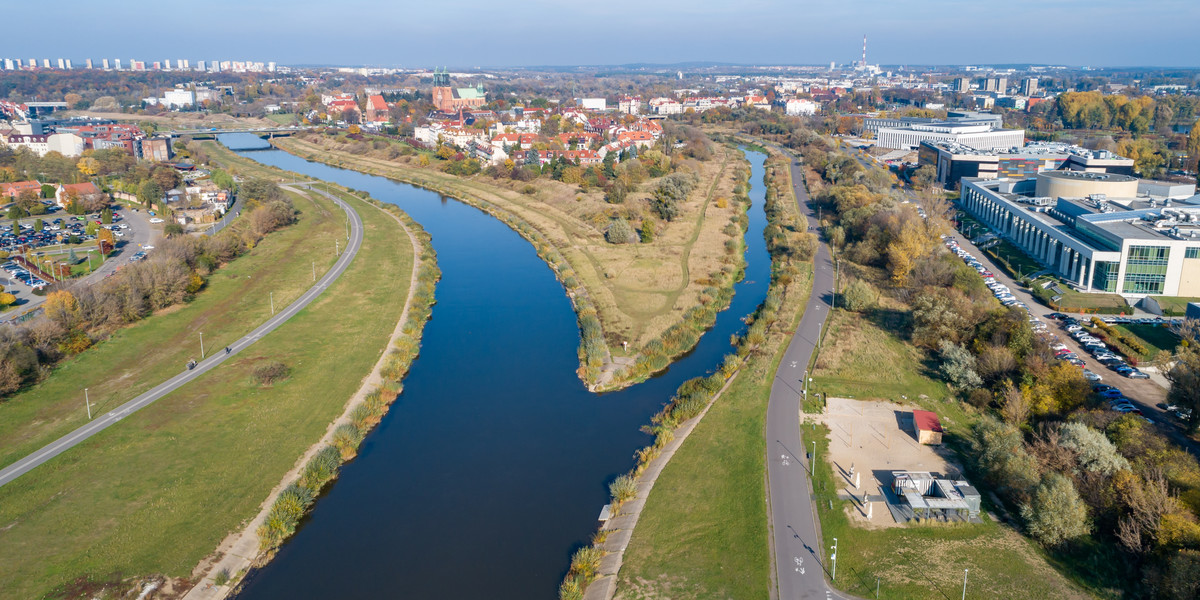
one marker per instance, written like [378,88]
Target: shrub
[1056,513]
[346,438]
[586,562]
[619,232]
[1095,452]
[570,590]
[958,366]
[859,296]
[221,578]
[270,373]
[321,468]
[623,489]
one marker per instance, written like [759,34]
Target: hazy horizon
[541,33]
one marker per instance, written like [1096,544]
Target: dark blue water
[491,467]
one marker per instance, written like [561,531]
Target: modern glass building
[1144,239]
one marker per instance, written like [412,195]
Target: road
[106,420]
[1145,393]
[140,233]
[801,558]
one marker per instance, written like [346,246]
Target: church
[448,99]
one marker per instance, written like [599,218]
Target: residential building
[596,104]
[797,107]
[665,106]
[630,105]
[1029,86]
[1102,232]
[962,85]
[63,194]
[10,191]
[157,149]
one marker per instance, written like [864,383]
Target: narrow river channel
[492,466]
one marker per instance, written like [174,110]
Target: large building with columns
[1100,232]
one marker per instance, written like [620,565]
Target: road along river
[491,467]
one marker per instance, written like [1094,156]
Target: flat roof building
[1104,232]
[978,130]
[954,161]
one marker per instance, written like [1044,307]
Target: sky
[478,33]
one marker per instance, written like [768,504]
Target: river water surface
[491,467]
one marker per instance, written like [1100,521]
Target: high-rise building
[45,63]
[69,66]
[1029,86]
[199,65]
[271,67]
[62,64]
[88,63]
[167,64]
[118,64]
[8,64]
[996,84]
[962,84]
[184,64]
[104,64]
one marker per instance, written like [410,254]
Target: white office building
[1100,232]
[980,137]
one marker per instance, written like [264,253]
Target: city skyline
[539,33]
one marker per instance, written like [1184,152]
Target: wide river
[492,466]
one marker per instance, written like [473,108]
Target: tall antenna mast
[864,58]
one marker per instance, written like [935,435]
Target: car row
[1098,349]
[23,275]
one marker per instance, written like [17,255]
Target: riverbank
[150,497]
[630,293]
[713,490]
[242,550]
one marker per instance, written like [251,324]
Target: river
[491,467]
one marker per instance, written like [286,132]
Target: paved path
[801,558]
[102,422]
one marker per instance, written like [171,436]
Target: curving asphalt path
[106,420]
[801,558]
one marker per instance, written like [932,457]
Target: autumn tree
[1056,514]
[62,308]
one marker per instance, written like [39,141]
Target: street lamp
[88,402]
[833,572]
[965,584]
[201,345]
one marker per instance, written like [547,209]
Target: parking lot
[1102,366]
[132,232]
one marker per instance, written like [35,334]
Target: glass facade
[1146,269]
[1105,277]
[1191,253]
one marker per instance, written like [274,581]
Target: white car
[156,220]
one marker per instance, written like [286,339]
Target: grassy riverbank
[703,530]
[156,493]
[236,299]
[634,292]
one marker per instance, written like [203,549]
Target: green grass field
[236,300]
[1174,305]
[1156,337]
[703,531]
[854,348]
[927,561]
[156,493]
[1017,263]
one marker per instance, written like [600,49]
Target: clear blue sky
[540,32]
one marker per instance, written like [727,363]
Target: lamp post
[964,596]
[833,572]
[88,402]
[201,345]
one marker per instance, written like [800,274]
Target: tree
[1056,513]
[1185,381]
[47,191]
[89,166]
[7,299]
[106,216]
[105,236]
[173,230]
[924,177]
[149,192]
[649,230]
[37,224]
[1193,148]
[958,366]
[1094,451]
[62,308]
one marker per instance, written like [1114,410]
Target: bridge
[263,132]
